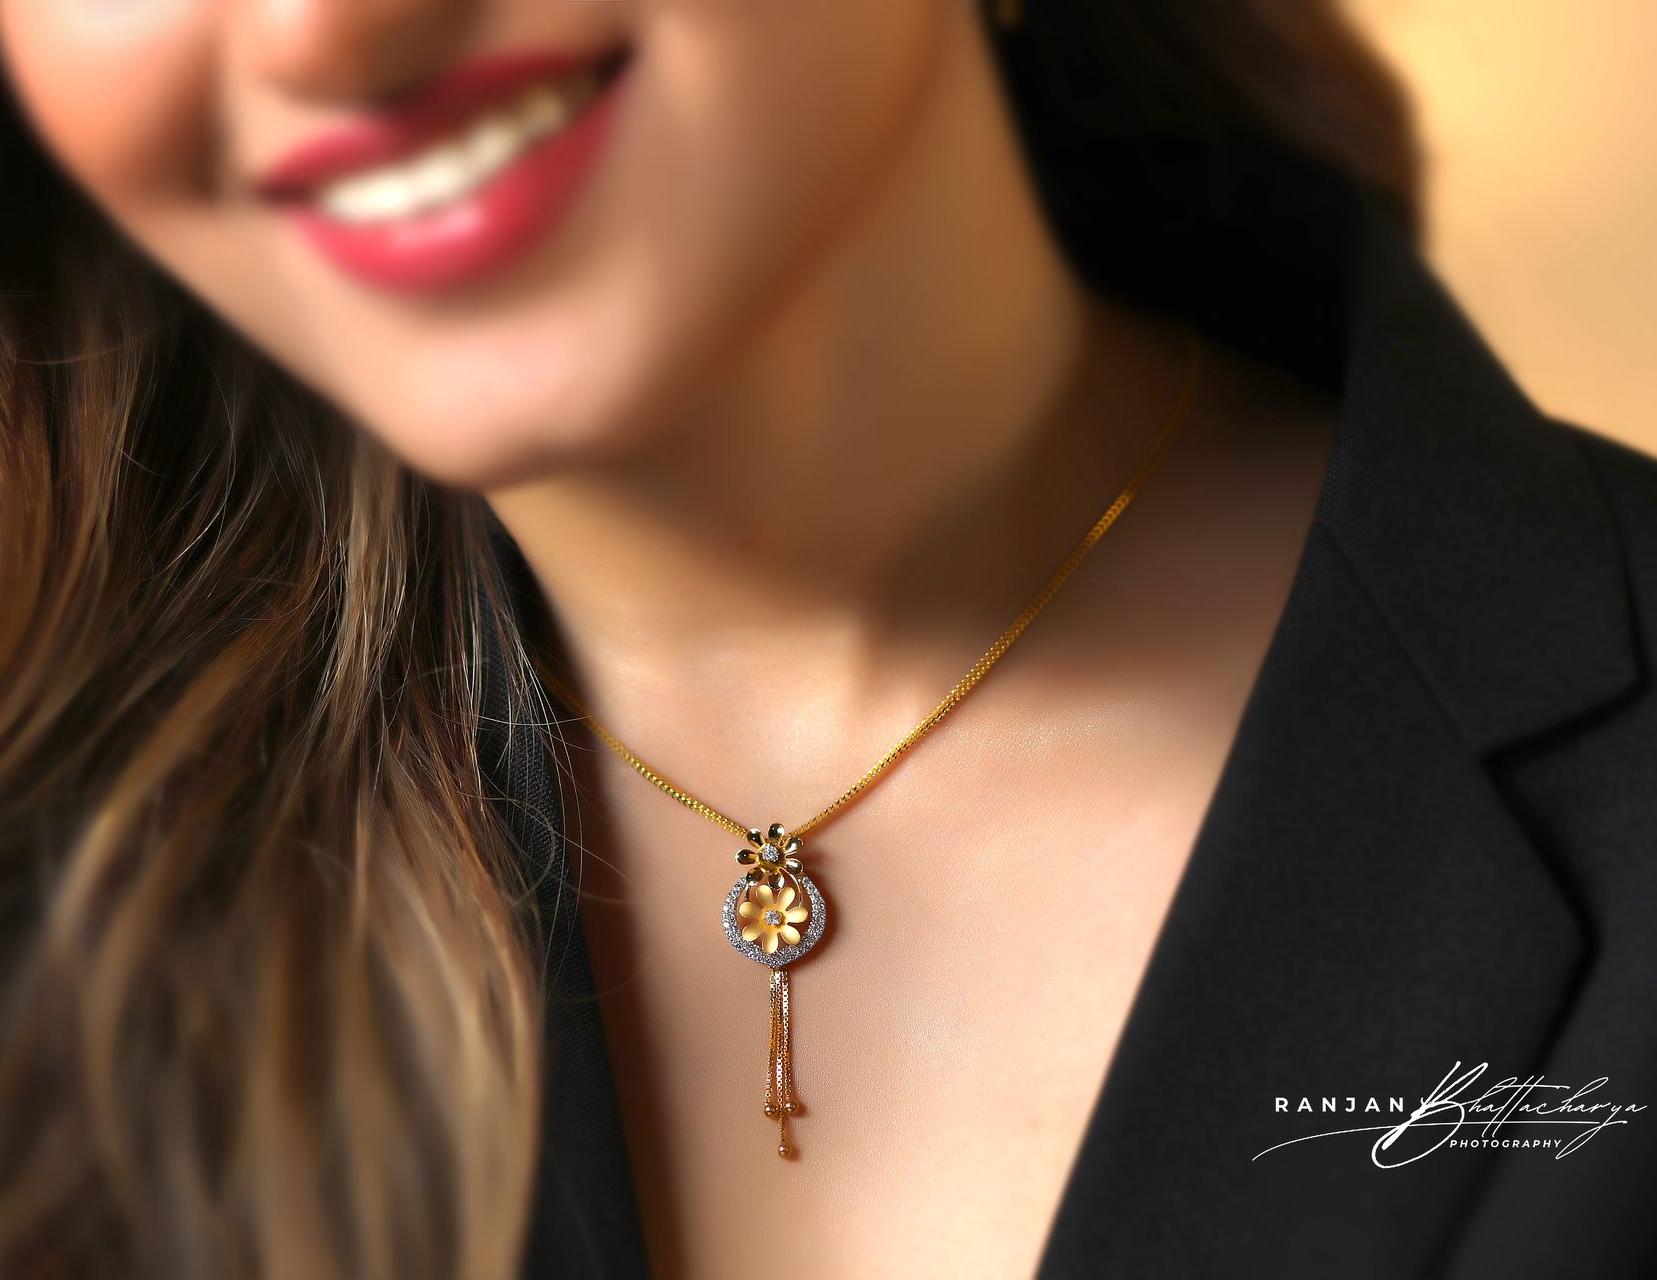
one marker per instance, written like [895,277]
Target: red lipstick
[460,179]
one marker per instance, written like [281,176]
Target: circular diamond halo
[784,954]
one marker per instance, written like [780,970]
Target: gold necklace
[774,913]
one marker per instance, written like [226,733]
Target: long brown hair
[267,1003]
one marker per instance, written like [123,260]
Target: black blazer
[1434,842]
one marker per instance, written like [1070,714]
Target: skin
[789,420]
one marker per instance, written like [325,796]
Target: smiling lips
[458,181]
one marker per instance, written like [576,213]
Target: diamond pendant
[773,915]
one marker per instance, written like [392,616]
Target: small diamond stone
[773,918]
[770,855]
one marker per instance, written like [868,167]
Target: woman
[385,383]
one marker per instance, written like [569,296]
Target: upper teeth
[458,165]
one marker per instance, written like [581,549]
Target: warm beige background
[1540,119]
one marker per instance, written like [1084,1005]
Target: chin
[500,432]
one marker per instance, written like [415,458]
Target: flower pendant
[773,915]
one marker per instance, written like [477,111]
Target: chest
[989,919]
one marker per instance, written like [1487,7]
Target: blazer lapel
[1362,910]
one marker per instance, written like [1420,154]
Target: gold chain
[963,686]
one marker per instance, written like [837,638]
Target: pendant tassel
[780,1100]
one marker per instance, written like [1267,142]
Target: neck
[906,449]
